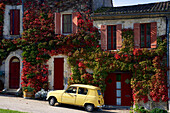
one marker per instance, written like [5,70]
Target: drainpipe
[167,35]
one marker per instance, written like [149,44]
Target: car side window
[71,90]
[82,91]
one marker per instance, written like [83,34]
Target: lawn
[9,111]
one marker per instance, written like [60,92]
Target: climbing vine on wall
[39,43]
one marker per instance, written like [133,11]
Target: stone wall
[67,71]
[129,23]
[6,29]
[18,54]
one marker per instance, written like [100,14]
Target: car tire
[52,101]
[89,107]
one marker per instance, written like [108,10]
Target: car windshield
[99,92]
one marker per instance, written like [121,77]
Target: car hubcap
[89,108]
[51,101]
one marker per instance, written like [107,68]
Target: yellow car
[87,96]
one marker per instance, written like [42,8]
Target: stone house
[65,23]
[148,21]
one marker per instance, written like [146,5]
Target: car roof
[85,86]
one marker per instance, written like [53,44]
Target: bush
[157,110]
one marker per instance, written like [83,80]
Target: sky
[117,3]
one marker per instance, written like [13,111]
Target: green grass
[9,111]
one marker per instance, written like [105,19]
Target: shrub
[158,110]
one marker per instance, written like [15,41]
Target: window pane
[71,90]
[82,91]
[118,101]
[118,77]
[118,85]
[99,92]
[109,37]
[148,42]
[118,93]
[148,30]
[114,37]
[142,37]
[67,23]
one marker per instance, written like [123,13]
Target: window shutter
[103,37]
[14,22]
[153,35]
[137,35]
[75,22]
[57,23]
[119,36]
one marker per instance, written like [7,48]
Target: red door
[110,92]
[58,73]
[118,90]
[14,73]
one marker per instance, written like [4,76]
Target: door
[118,90]
[58,73]
[81,96]
[14,73]
[69,96]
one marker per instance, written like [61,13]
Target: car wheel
[89,107]
[52,101]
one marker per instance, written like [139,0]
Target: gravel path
[38,106]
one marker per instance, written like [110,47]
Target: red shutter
[153,35]
[15,22]
[75,22]
[137,35]
[103,37]
[57,23]
[119,36]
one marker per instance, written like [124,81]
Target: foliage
[157,110]
[28,89]
[39,43]
[140,110]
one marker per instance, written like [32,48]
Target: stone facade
[6,29]
[18,54]
[67,71]
[129,23]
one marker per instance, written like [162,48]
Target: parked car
[87,96]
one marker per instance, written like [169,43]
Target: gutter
[105,16]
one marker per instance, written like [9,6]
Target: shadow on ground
[82,108]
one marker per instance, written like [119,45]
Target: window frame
[112,37]
[145,35]
[71,24]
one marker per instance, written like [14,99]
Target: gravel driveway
[38,106]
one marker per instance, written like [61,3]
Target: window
[111,37]
[71,90]
[15,22]
[118,89]
[145,35]
[67,23]
[82,91]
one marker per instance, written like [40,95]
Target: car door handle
[75,95]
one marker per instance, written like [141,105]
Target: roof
[85,86]
[152,8]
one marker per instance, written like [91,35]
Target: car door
[69,96]
[81,96]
